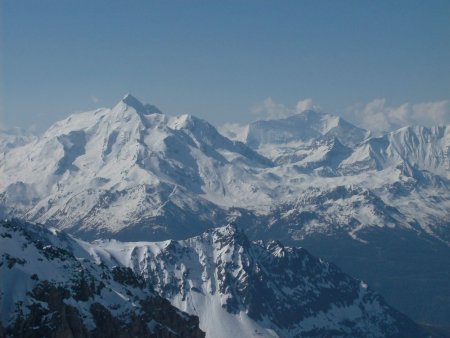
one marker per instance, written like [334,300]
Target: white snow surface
[209,276]
[131,171]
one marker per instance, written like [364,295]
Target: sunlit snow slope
[240,288]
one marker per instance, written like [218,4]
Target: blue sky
[223,60]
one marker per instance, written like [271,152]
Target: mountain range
[56,285]
[378,207]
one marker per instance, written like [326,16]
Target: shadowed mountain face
[133,173]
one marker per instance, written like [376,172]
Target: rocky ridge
[50,287]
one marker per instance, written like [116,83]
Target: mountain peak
[230,234]
[130,99]
[146,109]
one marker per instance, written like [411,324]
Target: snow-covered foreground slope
[133,173]
[50,287]
[52,283]
[240,288]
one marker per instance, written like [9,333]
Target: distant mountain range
[378,207]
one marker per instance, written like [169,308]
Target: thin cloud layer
[233,131]
[377,116]
[269,109]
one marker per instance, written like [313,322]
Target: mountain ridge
[237,287]
[50,287]
[134,175]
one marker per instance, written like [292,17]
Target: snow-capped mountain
[50,287]
[296,137]
[305,126]
[133,173]
[52,283]
[361,205]
[421,147]
[241,288]
[128,169]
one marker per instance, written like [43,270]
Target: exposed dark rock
[74,297]
[126,276]
[56,319]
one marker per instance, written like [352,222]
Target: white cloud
[377,116]
[270,110]
[95,99]
[306,104]
[437,112]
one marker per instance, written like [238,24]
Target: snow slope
[425,148]
[236,287]
[49,286]
[240,288]
[108,170]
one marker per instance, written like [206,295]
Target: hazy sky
[223,60]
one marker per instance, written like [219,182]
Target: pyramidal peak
[132,101]
[146,109]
